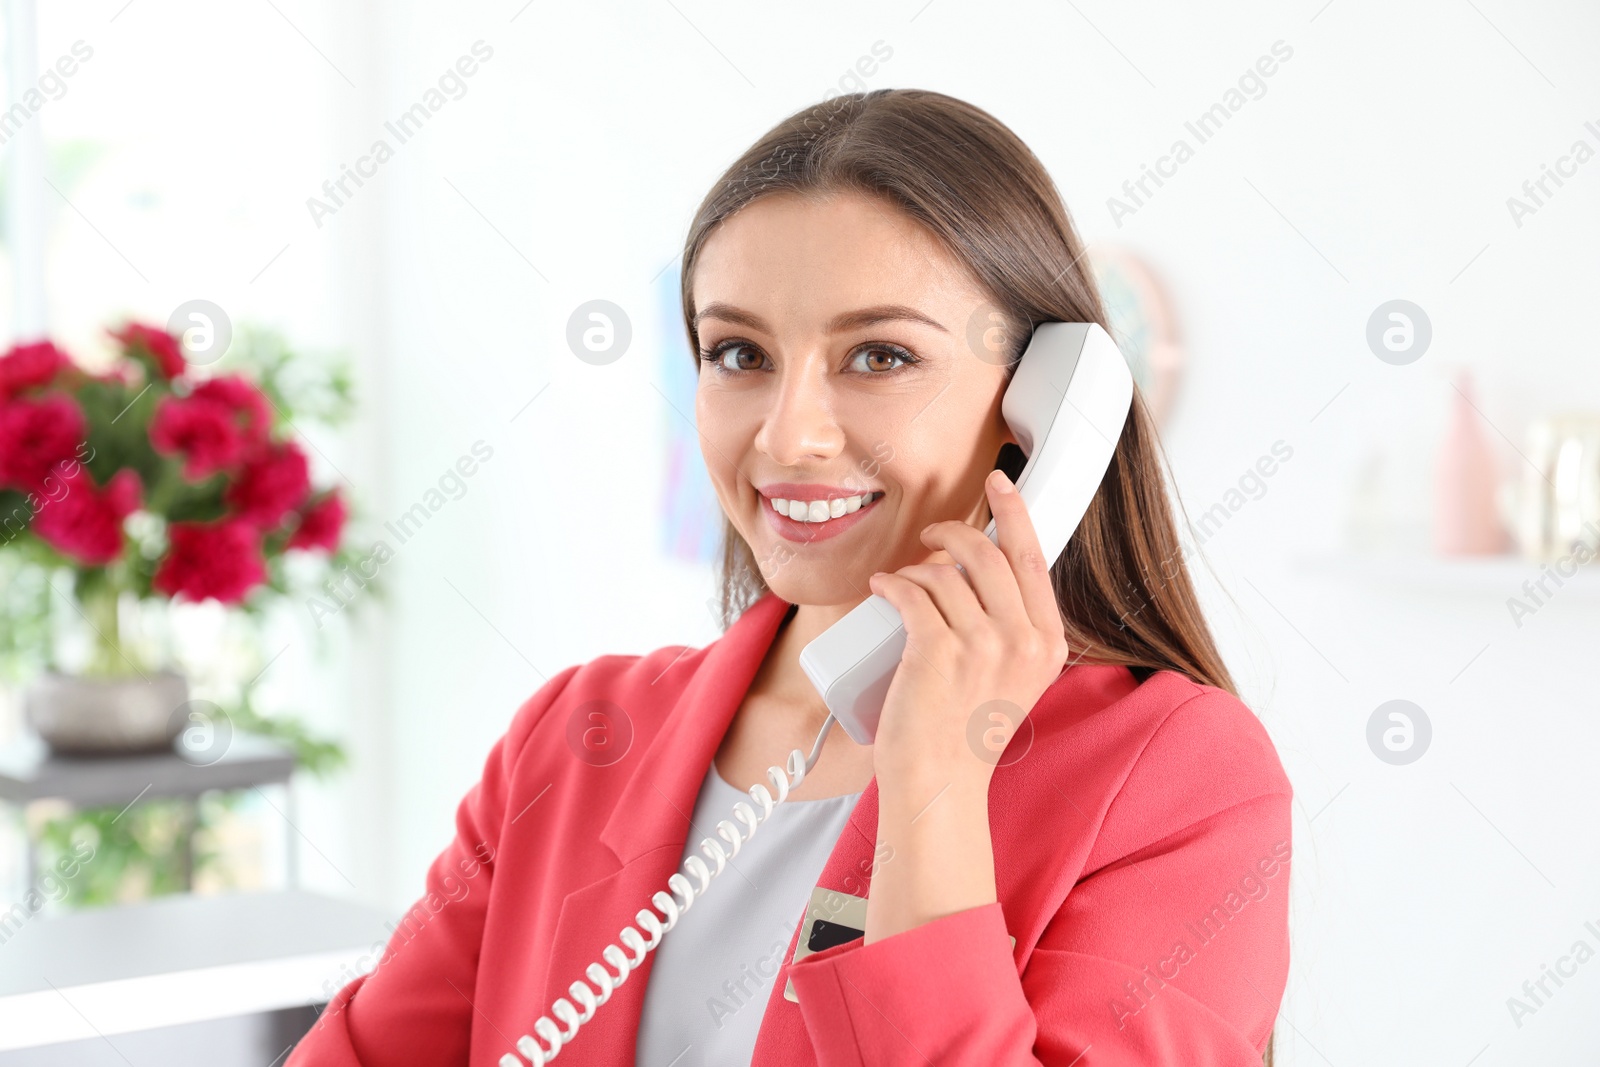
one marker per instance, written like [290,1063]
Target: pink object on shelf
[1466,521]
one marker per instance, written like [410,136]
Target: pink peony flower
[274,482]
[321,524]
[216,427]
[251,409]
[218,560]
[27,366]
[164,350]
[85,523]
[207,435]
[35,436]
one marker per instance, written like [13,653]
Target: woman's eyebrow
[849,320]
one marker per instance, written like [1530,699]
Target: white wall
[1376,166]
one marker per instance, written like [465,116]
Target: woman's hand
[981,648]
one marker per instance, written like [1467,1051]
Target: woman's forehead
[797,263]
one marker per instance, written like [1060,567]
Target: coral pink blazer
[1141,851]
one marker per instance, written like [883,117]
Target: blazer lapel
[648,827]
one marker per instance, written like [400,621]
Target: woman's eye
[744,357]
[877,359]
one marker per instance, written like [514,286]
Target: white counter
[177,960]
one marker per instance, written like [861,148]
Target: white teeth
[822,510]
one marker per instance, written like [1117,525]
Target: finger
[987,569]
[950,592]
[917,610]
[1020,543]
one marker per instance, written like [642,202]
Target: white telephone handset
[1066,404]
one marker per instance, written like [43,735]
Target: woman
[1104,881]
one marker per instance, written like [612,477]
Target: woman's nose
[801,423]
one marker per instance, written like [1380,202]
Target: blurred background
[1348,247]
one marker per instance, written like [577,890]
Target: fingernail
[1001,483]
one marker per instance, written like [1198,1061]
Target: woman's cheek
[715,448]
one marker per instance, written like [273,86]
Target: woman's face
[841,366]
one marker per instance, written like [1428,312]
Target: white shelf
[1493,576]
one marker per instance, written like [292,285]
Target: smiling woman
[858,288]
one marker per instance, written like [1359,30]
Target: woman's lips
[808,532]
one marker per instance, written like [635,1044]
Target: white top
[713,971]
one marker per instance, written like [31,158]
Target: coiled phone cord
[588,999]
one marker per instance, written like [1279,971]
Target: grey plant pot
[104,716]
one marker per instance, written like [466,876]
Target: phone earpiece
[1011,460]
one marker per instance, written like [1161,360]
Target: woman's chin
[818,588]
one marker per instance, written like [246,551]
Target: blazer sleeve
[1172,949]
[413,1006]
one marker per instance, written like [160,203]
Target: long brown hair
[1122,584]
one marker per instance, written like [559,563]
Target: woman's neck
[783,711]
[784,680]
